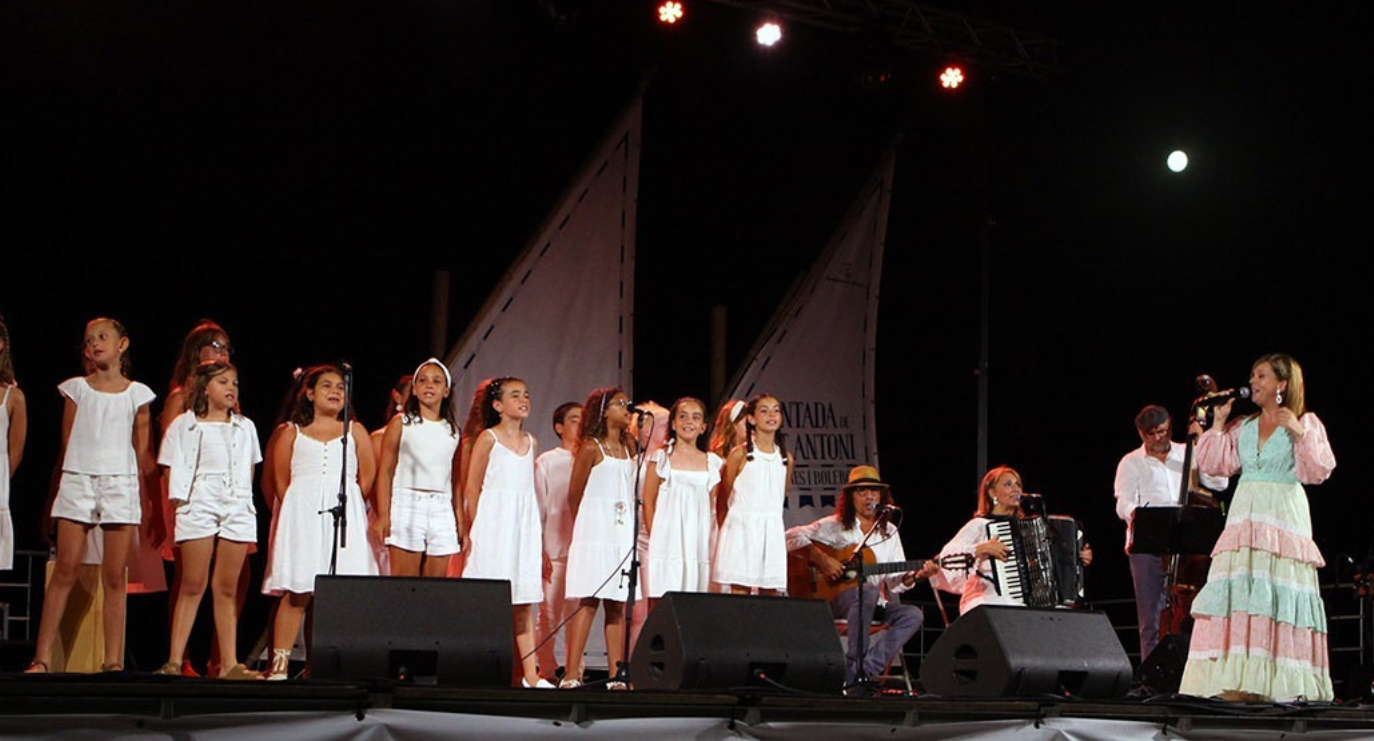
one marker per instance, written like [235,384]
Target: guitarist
[857,515]
[1152,475]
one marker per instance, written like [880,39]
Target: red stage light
[670,12]
[951,78]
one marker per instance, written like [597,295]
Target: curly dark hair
[303,412]
[594,417]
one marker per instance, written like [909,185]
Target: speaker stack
[726,641]
[1002,651]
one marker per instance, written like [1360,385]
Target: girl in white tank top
[419,506]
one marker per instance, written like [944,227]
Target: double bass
[1185,573]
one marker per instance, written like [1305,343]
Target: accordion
[1042,567]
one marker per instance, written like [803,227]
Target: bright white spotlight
[670,12]
[768,34]
[951,78]
[1178,161]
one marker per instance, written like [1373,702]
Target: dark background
[298,170]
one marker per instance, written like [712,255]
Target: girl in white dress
[107,480]
[419,508]
[601,497]
[14,428]
[678,487]
[506,541]
[307,459]
[752,548]
[208,457]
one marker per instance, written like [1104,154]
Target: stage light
[768,34]
[1178,161]
[951,78]
[670,12]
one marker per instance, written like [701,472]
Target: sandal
[239,671]
[37,667]
[169,669]
[111,668]
[569,684]
[281,665]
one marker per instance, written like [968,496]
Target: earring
[1278,398]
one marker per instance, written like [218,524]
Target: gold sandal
[239,671]
[169,669]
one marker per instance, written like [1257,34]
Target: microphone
[884,509]
[345,367]
[1212,400]
[641,411]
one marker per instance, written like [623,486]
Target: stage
[128,705]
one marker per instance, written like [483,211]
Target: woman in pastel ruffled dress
[1260,625]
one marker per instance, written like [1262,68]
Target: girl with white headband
[419,505]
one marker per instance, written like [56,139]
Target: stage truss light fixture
[768,33]
[670,12]
[952,77]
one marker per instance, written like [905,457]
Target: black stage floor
[129,695]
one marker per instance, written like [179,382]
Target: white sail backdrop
[816,355]
[562,318]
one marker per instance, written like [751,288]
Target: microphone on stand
[884,509]
[640,411]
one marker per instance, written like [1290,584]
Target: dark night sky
[297,171]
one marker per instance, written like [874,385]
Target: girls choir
[559,526]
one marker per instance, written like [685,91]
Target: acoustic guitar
[805,580]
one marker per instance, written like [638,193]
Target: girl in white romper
[506,540]
[208,457]
[678,488]
[602,500]
[14,427]
[107,466]
[752,548]
[418,505]
[307,458]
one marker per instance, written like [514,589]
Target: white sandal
[281,665]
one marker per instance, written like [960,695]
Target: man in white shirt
[1151,476]
[857,512]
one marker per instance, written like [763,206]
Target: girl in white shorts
[208,456]
[105,452]
[419,508]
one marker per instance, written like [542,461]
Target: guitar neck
[876,569]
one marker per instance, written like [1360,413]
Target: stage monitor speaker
[726,641]
[1162,671]
[423,630]
[1004,651]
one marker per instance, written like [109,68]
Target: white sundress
[302,536]
[603,532]
[680,539]
[506,540]
[751,550]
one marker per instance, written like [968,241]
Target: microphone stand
[622,672]
[340,509]
[860,674]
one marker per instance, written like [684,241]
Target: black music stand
[1176,531]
